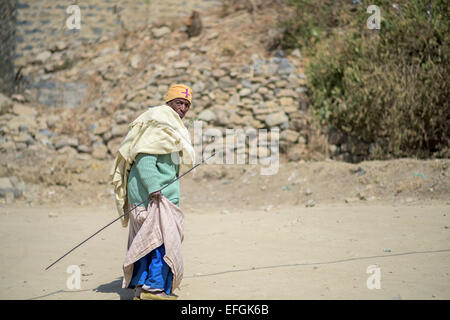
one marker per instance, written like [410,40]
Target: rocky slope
[63,131]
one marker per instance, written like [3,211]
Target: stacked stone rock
[43,23]
[263,95]
[7,45]
[11,188]
[256,94]
[18,125]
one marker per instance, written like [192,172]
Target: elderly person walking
[148,159]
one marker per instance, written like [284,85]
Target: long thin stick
[128,211]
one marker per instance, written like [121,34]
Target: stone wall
[7,45]
[42,24]
[107,83]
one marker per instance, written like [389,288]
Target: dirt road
[289,252]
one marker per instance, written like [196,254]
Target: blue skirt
[153,271]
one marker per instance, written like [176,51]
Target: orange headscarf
[179,91]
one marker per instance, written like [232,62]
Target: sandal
[145,295]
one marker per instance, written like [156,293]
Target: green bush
[312,21]
[386,87]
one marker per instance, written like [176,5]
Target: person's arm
[148,173]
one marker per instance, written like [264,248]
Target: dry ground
[249,236]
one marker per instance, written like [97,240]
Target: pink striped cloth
[151,227]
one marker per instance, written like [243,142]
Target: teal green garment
[149,173]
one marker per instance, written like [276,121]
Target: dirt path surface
[310,231]
[290,252]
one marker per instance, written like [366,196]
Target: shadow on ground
[116,287]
